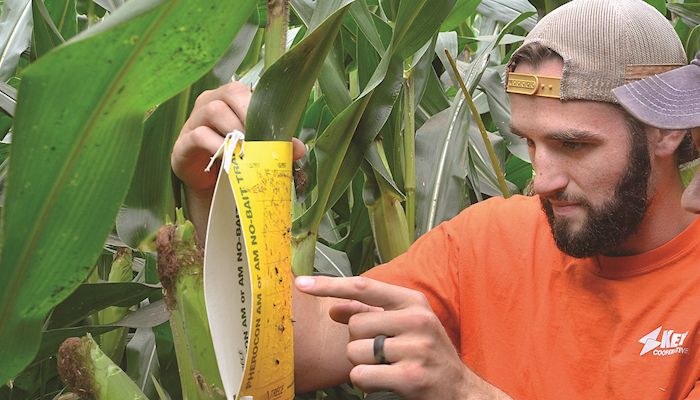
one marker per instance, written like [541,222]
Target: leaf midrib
[432,211]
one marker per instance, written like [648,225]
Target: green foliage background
[104,87]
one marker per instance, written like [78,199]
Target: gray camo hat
[670,100]
[602,43]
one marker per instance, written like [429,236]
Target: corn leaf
[505,11]
[449,148]
[162,394]
[462,10]
[149,316]
[441,168]
[359,244]
[332,262]
[92,297]
[693,43]
[544,7]
[109,5]
[150,199]
[658,4]
[689,13]
[8,99]
[55,21]
[282,93]
[343,144]
[434,99]
[386,82]
[365,22]
[78,127]
[142,360]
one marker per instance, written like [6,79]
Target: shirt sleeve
[430,267]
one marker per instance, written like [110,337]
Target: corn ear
[180,267]
[91,374]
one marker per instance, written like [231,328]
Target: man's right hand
[215,113]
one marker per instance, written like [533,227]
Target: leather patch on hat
[640,71]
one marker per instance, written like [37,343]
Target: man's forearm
[198,205]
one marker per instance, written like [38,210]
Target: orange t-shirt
[539,324]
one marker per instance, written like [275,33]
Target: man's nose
[550,178]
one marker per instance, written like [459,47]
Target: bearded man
[587,290]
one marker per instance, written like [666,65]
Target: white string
[227,148]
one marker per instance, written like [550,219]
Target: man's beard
[609,225]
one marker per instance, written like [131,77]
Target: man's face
[591,177]
[691,195]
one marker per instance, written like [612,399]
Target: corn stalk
[276,30]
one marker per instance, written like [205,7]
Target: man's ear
[665,142]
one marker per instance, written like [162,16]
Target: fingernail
[305,282]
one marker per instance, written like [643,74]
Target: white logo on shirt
[671,343]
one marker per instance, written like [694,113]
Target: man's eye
[572,145]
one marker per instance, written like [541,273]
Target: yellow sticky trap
[247,271]
[534,85]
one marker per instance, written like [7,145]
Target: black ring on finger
[379,349]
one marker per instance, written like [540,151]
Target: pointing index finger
[365,290]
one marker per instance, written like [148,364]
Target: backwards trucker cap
[601,42]
[670,100]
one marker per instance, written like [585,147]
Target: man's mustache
[565,197]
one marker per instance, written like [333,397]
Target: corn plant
[180,268]
[399,139]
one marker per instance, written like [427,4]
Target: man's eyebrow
[573,135]
[566,135]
